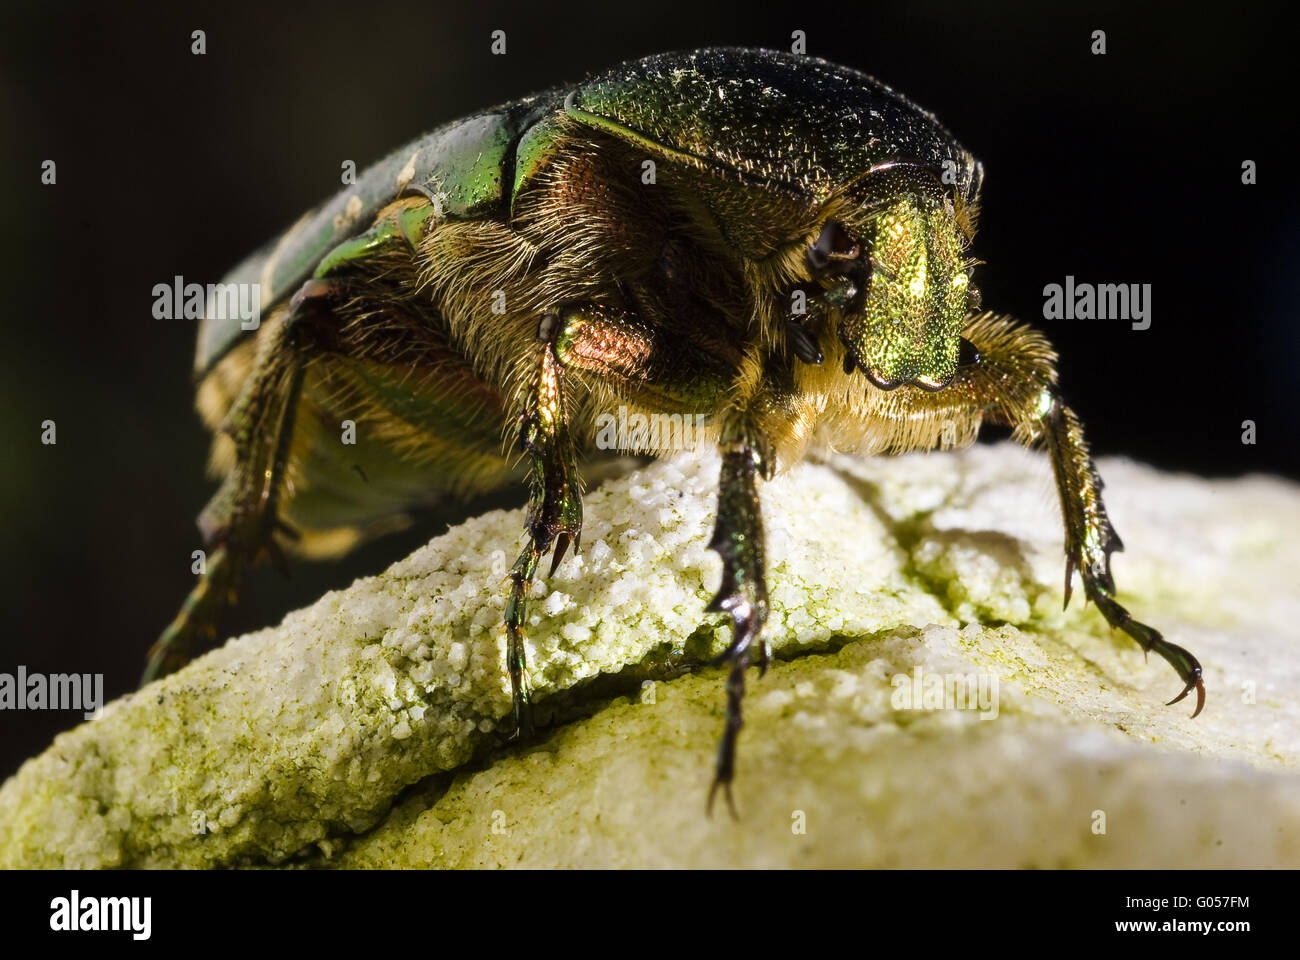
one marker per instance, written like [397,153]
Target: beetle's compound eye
[834,247]
[967,355]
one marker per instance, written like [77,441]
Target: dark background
[1123,168]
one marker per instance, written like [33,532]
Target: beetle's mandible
[519,270]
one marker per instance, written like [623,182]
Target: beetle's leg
[195,624]
[1090,539]
[668,371]
[1011,377]
[554,505]
[239,522]
[738,539]
[617,349]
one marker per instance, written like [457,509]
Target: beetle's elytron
[639,239]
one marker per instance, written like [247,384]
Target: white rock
[950,563]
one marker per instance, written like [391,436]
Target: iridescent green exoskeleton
[645,239]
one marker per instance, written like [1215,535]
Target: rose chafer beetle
[639,239]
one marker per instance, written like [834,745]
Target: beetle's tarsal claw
[561,547]
[726,790]
[725,769]
[1188,667]
[521,713]
[1199,684]
[1151,641]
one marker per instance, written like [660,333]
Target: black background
[333,910]
[1123,168]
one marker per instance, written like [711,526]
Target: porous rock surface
[367,730]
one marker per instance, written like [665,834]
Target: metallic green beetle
[643,239]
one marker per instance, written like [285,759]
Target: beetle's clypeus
[517,267]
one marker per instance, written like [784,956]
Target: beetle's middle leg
[748,455]
[738,538]
[638,362]
[554,506]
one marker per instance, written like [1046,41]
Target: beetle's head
[892,264]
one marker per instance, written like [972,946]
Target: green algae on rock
[363,731]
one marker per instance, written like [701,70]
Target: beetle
[639,239]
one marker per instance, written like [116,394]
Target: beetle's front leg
[738,539]
[1090,539]
[554,505]
[1012,376]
